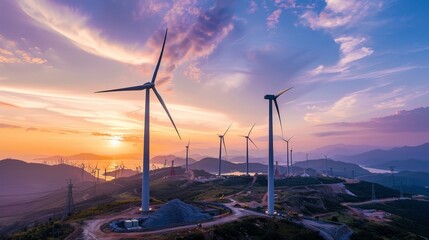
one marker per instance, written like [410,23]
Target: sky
[359,72]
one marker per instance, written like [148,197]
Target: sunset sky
[359,71]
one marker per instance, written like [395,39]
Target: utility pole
[69,207]
[373,194]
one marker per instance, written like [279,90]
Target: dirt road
[92,228]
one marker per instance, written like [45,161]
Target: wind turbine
[247,148]
[287,154]
[105,172]
[98,172]
[187,155]
[271,99]
[147,87]
[83,169]
[222,140]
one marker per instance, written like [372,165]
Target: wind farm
[341,152]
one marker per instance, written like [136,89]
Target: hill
[211,165]
[342,169]
[379,156]
[19,177]
[412,182]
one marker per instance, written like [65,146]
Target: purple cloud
[333,133]
[416,120]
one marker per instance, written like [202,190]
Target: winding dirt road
[92,228]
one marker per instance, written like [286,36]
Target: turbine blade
[278,112]
[290,138]
[280,93]
[134,88]
[189,141]
[251,129]
[253,143]
[241,135]
[159,59]
[224,146]
[227,129]
[166,110]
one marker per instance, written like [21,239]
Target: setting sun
[115,141]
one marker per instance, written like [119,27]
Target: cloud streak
[72,24]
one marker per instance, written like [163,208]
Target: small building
[135,222]
[128,224]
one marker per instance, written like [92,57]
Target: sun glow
[115,141]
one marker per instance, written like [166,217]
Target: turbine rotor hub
[149,85]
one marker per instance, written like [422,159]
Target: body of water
[376,170]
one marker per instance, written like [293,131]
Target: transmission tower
[392,169]
[69,207]
[172,173]
[277,172]
[401,195]
[373,193]
[326,165]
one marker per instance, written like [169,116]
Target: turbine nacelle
[270,97]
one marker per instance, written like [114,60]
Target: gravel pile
[175,212]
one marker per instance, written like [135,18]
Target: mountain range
[19,177]
[379,156]
[342,169]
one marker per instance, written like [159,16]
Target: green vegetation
[297,181]
[196,191]
[116,206]
[257,228]
[363,191]
[201,173]
[50,230]
[411,215]
[375,231]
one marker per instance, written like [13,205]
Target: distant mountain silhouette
[19,177]
[342,149]
[342,169]
[379,156]
[80,156]
[405,165]
[177,161]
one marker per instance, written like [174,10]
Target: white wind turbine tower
[222,140]
[148,86]
[247,148]
[287,155]
[272,98]
[187,155]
